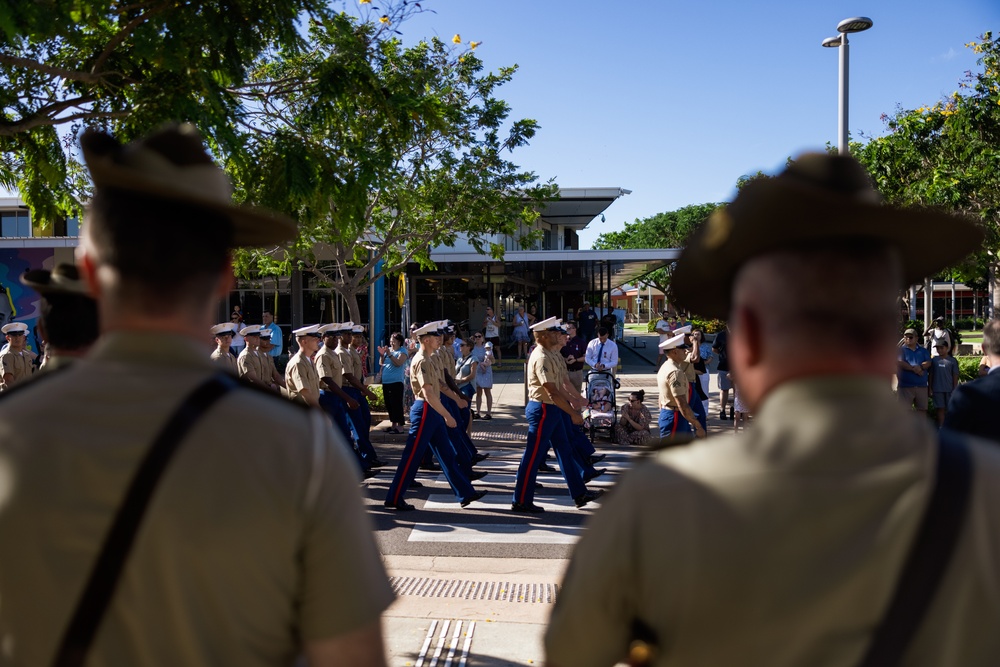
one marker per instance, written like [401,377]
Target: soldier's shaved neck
[812,311]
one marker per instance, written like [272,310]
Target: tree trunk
[350,296]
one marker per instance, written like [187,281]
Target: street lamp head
[832,42]
[856,24]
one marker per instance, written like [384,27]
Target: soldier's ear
[748,341]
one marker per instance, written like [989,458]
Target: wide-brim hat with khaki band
[63,279]
[173,164]
[819,198]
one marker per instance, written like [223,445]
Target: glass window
[73,227]
[8,223]
[23,224]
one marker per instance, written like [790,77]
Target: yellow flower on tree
[384,19]
[473,45]
[457,39]
[365,2]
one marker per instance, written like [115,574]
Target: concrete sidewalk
[492,611]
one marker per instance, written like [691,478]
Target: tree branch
[61,72]
[123,34]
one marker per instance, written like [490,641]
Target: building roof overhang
[624,266]
[577,207]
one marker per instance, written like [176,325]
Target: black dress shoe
[530,508]
[433,467]
[473,498]
[538,485]
[480,457]
[368,474]
[477,474]
[587,496]
[545,467]
[597,458]
[416,485]
[722,415]
[376,463]
[401,506]
[487,416]
[594,475]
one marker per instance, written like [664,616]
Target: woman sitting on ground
[633,423]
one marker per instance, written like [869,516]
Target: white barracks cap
[311,330]
[676,341]
[224,328]
[551,324]
[431,328]
[252,330]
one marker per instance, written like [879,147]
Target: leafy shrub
[378,405]
[970,324]
[708,326]
[651,326]
[968,368]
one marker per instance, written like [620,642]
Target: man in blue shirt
[913,362]
[276,335]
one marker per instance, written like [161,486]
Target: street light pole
[855,24]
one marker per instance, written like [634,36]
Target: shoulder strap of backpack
[117,545]
[928,559]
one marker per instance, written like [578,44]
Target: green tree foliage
[127,65]
[948,155]
[382,152]
[663,230]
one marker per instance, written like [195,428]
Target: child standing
[741,416]
[943,378]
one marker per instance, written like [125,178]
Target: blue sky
[676,100]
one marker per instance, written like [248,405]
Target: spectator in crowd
[973,406]
[913,362]
[521,333]
[586,322]
[721,348]
[491,330]
[393,366]
[633,423]
[943,379]
[602,352]
[700,357]
[276,336]
[665,328]
[936,334]
[575,353]
[483,353]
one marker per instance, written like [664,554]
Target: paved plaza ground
[476,586]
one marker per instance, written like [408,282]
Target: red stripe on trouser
[534,454]
[673,430]
[406,468]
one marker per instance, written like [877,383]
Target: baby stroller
[602,407]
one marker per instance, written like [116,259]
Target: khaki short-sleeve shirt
[328,365]
[785,543]
[346,361]
[251,366]
[256,541]
[672,383]
[423,371]
[301,374]
[542,369]
[226,360]
[17,364]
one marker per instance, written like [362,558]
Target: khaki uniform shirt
[226,360]
[301,374]
[359,364]
[672,383]
[268,368]
[251,367]
[783,545]
[423,371]
[256,540]
[542,368]
[17,364]
[328,365]
[347,362]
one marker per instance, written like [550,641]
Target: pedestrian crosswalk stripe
[495,533]
[554,482]
[500,499]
